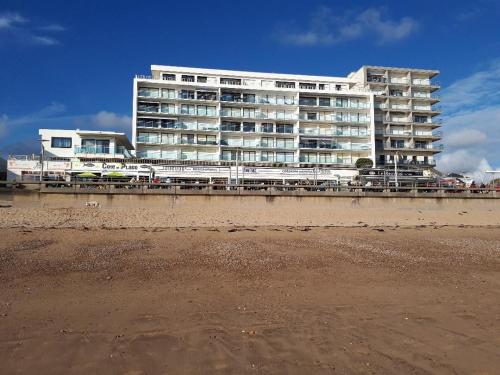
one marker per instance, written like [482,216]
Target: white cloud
[472,121]
[53,27]
[45,40]
[326,28]
[463,162]
[110,120]
[15,28]
[465,137]
[8,20]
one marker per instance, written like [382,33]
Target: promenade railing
[247,188]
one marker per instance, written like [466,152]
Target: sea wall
[131,210]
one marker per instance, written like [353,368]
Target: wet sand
[250,300]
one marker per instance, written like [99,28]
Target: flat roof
[431,72]
[118,135]
[248,74]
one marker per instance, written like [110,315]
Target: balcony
[376,79]
[157,124]
[101,150]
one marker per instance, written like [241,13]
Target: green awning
[86,175]
[115,174]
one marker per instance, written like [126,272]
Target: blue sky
[67,64]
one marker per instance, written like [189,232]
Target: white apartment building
[58,143]
[210,116]
[405,114]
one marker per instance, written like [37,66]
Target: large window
[60,142]
[186,94]
[284,157]
[148,92]
[284,128]
[147,107]
[284,142]
[249,127]
[266,156]
[266,127]
[98,146]
[204,110]
[187,109]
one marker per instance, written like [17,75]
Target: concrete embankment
[115,211]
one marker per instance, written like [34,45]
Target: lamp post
[42,154]
[396,170]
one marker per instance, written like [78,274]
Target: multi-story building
[220,116]
[405,122]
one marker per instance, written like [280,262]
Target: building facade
[208,116]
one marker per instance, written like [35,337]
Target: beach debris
[92,204]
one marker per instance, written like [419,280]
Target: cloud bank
[325,27]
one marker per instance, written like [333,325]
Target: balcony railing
[156,124]
[100,150]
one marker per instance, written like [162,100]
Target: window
[421,119]
[288,100]
[266,156]
[325,158]
[285,84]
[188,109]
[202,79]
[306,100]
[204,110]
[249,98]
[284,128]
[207,140]
[167,108]
[228,155]
[266,127]
[231,112]
[230,126]
[312,116]
[284,157]
[60,142]
[324,102]
[186,94]
[147,107]
[249,127]
[187,139]
[267,142]
[148,92]
[168,93]
[338,87]
[168,77]
[342,102]
[96,146]
[168,124]
[230,96]
[187,78]
[307,86]
[167,138]
[147,123]
[322,86]
[398,143]
[249,112]
[284,142]
[249,155]
[230,81]
[206,95]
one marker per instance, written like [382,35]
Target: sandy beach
[293,300]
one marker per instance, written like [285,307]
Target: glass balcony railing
[92,150]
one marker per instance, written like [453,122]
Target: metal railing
[313,187]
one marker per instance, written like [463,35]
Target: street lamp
[42,157]
[396,169]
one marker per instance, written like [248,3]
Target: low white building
[57,143]
[61,148]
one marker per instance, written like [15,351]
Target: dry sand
[250,300]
